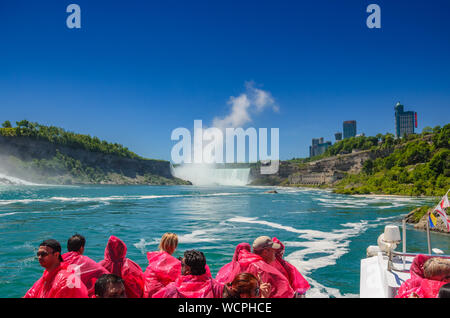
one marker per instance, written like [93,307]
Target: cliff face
[40,160]
[326,171]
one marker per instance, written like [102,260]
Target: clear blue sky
[138,69]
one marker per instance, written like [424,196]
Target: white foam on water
[197,236]
[320,291]
[333,245]
[113,198]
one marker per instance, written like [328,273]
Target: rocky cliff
[323,172]
[42,161]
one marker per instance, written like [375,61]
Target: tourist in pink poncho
[296,280]
[87,268]
[57,281]
[194,282]
[116,263]
[162,268]
[258,264]
[428,275]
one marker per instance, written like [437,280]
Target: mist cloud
[251,102]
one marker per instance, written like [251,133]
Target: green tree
[7,124]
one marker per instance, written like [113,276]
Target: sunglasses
[43,254]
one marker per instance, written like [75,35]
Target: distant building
[338,136]
[349,128]
[318,146]
[405,122]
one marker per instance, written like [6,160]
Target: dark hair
[243,283]
[196,261]
[54,245]
[75,243]
[104,281]
[444,292]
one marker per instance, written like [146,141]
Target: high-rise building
[338,136]
[405,122]
[349,128]
[318,146]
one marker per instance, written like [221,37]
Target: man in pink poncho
[116,263]
[57,281]
[428,275]
[195,281]
[87,268]
[258,264]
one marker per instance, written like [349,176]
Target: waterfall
[204,175]
[8,180]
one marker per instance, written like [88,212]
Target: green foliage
[61,137]
[7,124]
[420,212]
[414,168]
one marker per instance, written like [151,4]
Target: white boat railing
[391,254]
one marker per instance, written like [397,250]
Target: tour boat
[385,269]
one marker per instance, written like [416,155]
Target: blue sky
[136,70]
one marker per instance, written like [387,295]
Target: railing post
[404,243]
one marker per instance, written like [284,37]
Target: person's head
[444,291]
[193,263]
[437,269]
[49,254]
[76,243]
[169,243]
[244,285]
[266,248]
[110,286]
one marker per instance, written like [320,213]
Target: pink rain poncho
[116,263]
[162,270]
[59,283]
[244,261]
[229,271]
[88,270]
[192,286]
[296,280]
[418,285]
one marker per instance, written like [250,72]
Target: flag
[440,209]
[432,220]
[444,202]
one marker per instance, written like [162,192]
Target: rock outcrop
[325,171]
[23,157]
[422,223]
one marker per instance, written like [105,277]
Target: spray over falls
[204,175]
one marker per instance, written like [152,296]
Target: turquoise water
[325,234]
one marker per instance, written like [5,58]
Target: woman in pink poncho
[162,268]
[245,261]
[428,275]
[116,263]
[296,280]
[195,280]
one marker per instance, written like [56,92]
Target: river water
[325,234]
